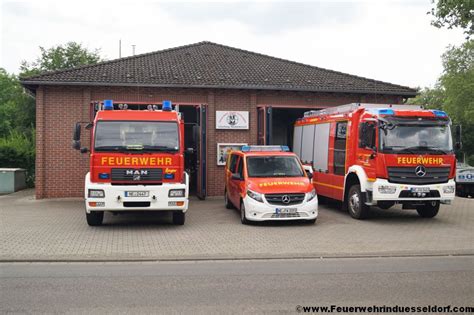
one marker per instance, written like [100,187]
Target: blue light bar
[108,104]
[386,112]
[104,175]
[167,106]
[439,113]
[265,148]
[169,176]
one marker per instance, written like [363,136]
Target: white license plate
[420,189]
[137,194]
[285,210]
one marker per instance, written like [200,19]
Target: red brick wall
[60,170]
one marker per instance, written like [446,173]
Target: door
[264,125]
[367,148]
[234,184]
[201,162]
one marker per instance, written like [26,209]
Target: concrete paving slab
[56,230]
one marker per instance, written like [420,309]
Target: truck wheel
[428,210]
[243,219]
[179,217]
[95,218]
[227,202]
[356,203]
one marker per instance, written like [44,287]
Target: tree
[454,13]
[17,108]
[60,57]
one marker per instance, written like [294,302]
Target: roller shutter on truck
[311,144]
[321,147]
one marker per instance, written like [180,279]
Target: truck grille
[126,174]
[277,199]
[407,175]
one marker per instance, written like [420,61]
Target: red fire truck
[379,155]
[136,162]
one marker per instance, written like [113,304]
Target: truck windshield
[136,136]
[412,139]
[273,166]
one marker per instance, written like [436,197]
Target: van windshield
[136,136]
[273,166]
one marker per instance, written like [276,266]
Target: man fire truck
[136,162]
[378,154]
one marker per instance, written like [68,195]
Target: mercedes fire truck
[136,162]
[379,155]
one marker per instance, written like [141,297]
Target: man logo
[420,171]
[285,199]
[136,174]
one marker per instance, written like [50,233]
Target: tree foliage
[454,92]
[17,108]
[454,13]
[60,57]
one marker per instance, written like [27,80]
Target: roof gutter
[30,85]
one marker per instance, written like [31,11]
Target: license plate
[137,193]
[420,189]
[285,210]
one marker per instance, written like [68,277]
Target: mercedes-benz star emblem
[420,171]
[285,199]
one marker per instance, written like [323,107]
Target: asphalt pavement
[245,286]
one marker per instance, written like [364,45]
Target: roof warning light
[108,104]
[167,106]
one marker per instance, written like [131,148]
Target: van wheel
[243,218]
[227,202]
[356,203]
[428,210]
[179,217]
[95,218]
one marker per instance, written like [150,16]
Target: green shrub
[18,150]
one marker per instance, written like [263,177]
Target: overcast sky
[391,41]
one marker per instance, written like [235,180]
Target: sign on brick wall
[232,119]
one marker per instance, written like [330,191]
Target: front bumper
[157,199]
[402,192]
[263,211]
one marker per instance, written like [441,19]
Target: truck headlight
[176,193]
[96,193]
[311,195]
[255,195]
[448,189]
[387,189]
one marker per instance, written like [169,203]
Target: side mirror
[236,176]
[89,126]
[77,132]
[309,170]
[76,137]
[84,150]
[458,136]
[190,150]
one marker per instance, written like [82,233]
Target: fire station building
[227,96]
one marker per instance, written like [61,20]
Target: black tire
[179,217]
[243,219]
[95,218]
[227,202]
[356,203]
[429,209]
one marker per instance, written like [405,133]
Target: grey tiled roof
[210,65]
